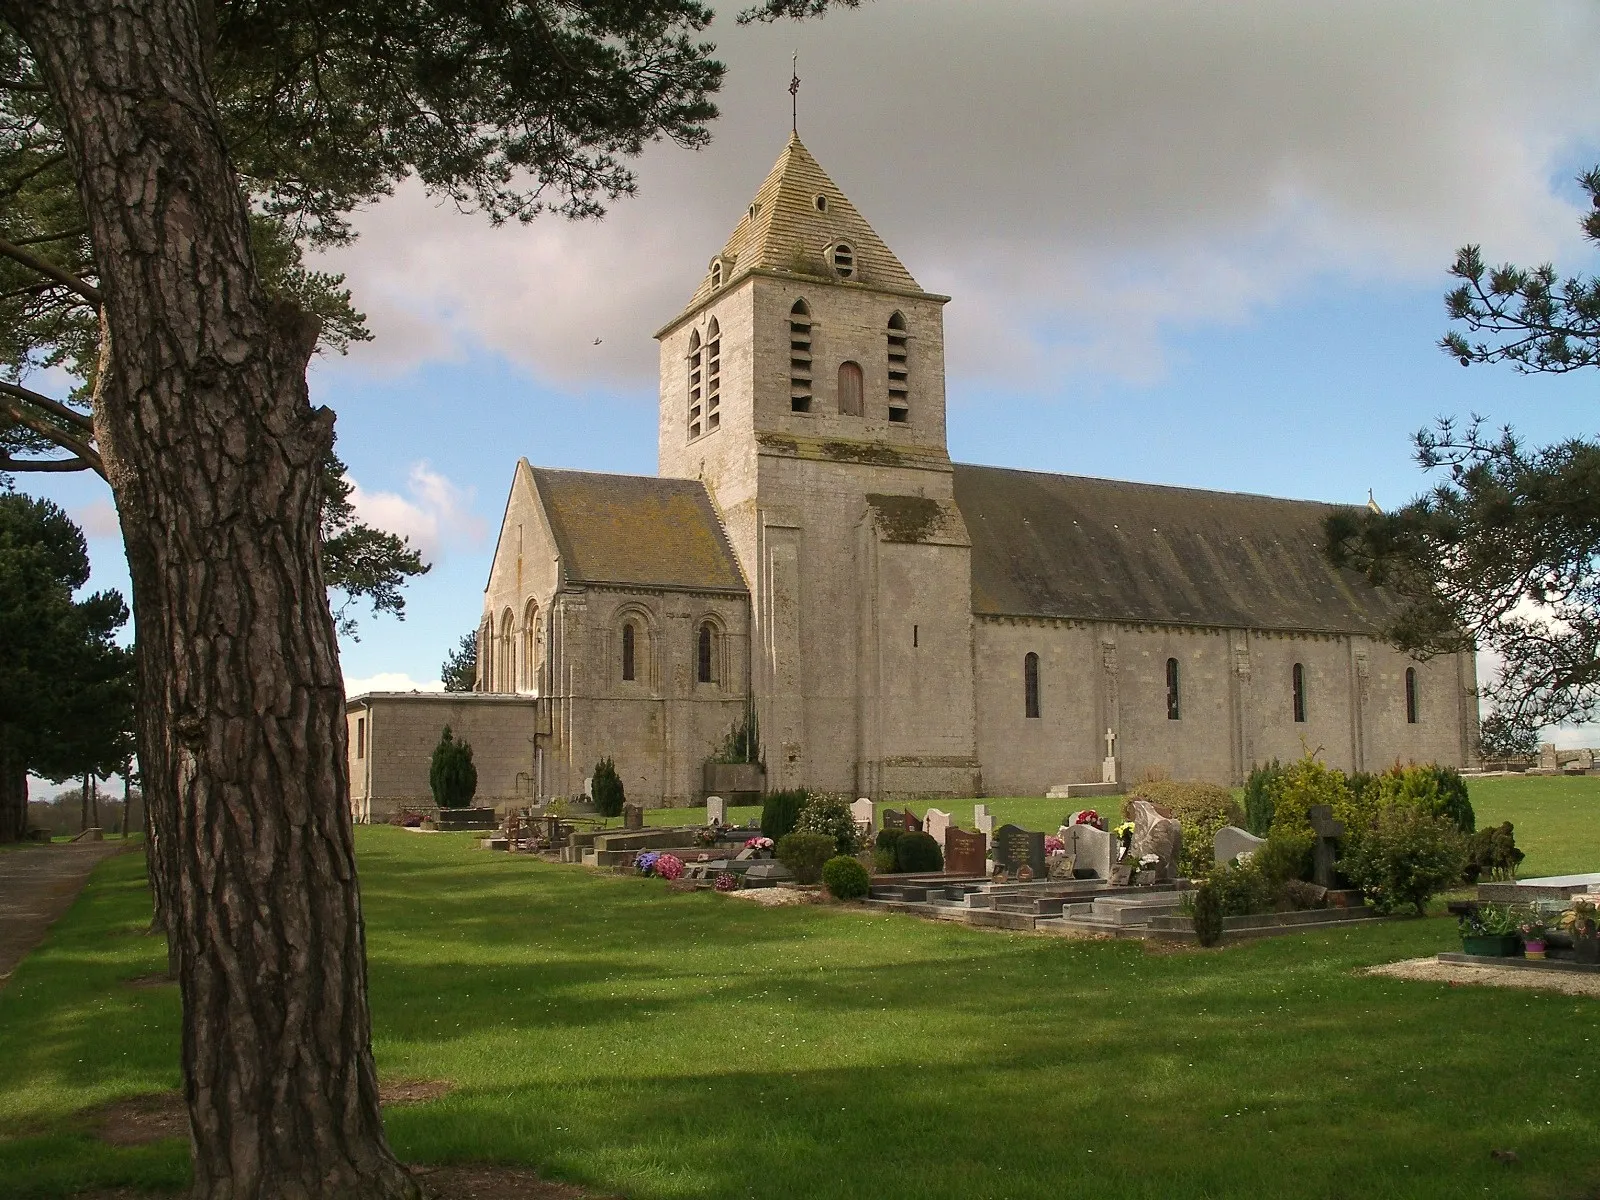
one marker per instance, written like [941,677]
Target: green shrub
[1285,857]
[804,854]
[883,855]
[780,811]
[1493,853]
[1432,789]
[605,789]
[845,878]
[452,777]
[1207,915]
[1305,783]
[918,852]
[1200,809]
[1261,797]
[1242,890]
[1404,858]
[829,813]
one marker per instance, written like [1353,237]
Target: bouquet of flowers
[1149,862]
[1054,845]
[669,866]
[726,882]
[645,864]
[706,836]
[1086,816]
[761,845]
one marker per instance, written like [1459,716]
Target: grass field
[660,1045]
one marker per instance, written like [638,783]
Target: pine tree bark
[212,449]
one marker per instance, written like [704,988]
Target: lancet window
[696,384]
[713,374]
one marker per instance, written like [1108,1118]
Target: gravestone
[1548,759]
[1108,768]
[1325,850]
[861,810]
[893,818]
[982,819]
[965,853]
[1090,849]
[716,810]
[1015,847]
[1230,841]
[633,816]
[1158,835]
[935,822]
[913,823]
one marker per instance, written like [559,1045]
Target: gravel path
[37,885]
[1434,971]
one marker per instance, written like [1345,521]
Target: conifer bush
[452,777]
[1261,795]
[1207,915]
[845,878]
[883,855]
[605,788]
[780,811]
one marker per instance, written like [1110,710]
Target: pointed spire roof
[797,214]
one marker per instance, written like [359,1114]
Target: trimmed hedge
[883,856]
[845,878]
[918,852]
[805,854]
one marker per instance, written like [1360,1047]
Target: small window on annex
[1300,693]
[1174,700]
[1030,685]
[1411,695]
[703,660]
[361,737]
[850,389]
[627,651]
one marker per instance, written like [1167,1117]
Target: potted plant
[1490,930]
[1531,929]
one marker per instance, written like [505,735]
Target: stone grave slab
[1090,848]
[965,853]
[935,822]
[1230,841]
[1015,847]
[633,816]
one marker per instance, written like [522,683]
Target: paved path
[37,885]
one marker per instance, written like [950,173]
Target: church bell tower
[804,385]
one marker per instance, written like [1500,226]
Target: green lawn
[662,1045]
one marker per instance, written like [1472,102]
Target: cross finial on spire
[794,93]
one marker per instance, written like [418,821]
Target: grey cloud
[1081,177]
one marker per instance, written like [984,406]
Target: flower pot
[1586,949]
[1533,948]
[1492,945]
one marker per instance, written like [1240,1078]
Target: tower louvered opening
[899,353]
[713,374]
[800,390]
[696,389]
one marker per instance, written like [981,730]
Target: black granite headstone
[1015,847]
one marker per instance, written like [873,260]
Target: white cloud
[435,514]
[390,681]
[1082,177]
[97,519]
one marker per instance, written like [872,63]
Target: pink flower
[669,867]
[1054,845]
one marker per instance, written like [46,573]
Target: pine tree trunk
[13,795]
[213,451]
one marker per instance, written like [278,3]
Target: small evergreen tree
[452,777]
[1207,915]
[606,789]
[460,668]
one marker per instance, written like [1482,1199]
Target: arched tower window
[899,371]
[1411,695]
[713,374]
[1300,692]
[1174,697]
[530,647]
[800,358]
[627,651]
[696,384]
[508,652]
[1030,685]
[702,659]
[850,389]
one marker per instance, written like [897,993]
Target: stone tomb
[1230,841]
[716,810]
[935,822]
[1016,847]
[965,853]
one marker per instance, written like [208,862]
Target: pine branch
[50,271]
[29,465]
[51,433]
[55,408]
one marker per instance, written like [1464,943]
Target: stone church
[809,563]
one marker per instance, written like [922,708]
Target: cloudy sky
[1191,244]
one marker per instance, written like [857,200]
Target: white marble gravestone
[935,822]
[861,810]
[716,810]
[1231,841]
